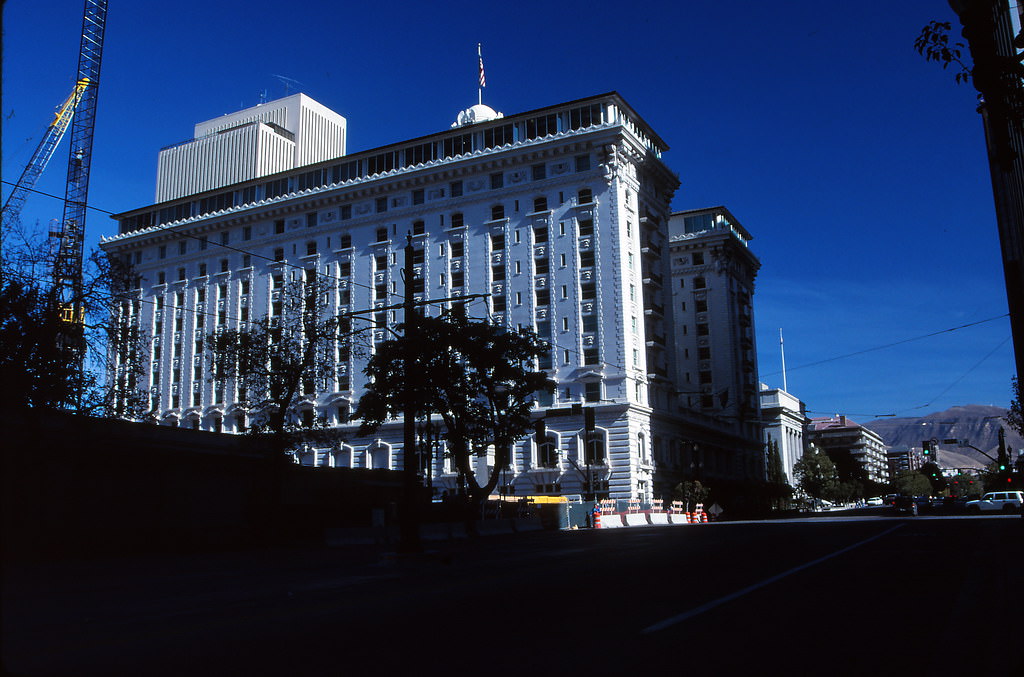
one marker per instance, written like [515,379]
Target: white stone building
[561,214]
[784,418]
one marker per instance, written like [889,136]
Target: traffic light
[926,446]
[588,420]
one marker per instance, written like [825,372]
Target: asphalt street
[854,596]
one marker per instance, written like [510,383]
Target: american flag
[483,80]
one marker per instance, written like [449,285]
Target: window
[540,204]
[163,251]
[565,291]
[592,393]
[182,247]
[586,227]
[458,278]
[346,212]
[595,452]
[701,306]
[418,228]
[247,233]
[547,452]
[245,287]
[704,353]
[310,248]
[457,220]
[702,330]
[538,172]
[497,241]
[497,273]
[591,356]
[588,291]
[585,196]
[223,265]
[201,294]
[565,324]
[699,283]
[279,254]
[589,324]
[458,248]
[225,237]
[698,258]
[582,163]
[498,304]
[380,262]
[544,125]
[278,226]
[455,188]
[382,235]
[497,180]
[541,266]
[586,259]
[161,277]
[181,274]
[382,204]
[540,234]
[246,261]
[417,196]
[497,212]
[543,297]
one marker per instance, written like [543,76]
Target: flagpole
[782,349]
[480,79]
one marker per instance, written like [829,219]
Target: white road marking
[686,615]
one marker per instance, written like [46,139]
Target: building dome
[475,114]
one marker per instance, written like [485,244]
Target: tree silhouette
[478,378]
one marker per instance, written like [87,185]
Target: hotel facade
[556,220]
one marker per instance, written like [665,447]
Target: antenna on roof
[288,83]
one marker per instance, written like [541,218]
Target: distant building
[784,418]
[904,458]
[848,443]
[262,140]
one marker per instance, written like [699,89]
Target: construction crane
[70,237]
[67,266]
[41,157]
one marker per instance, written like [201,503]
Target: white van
[998,501]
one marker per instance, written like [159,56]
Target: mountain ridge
[978,424]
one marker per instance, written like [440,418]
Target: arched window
[595,451]
[540,204]
[585,196]
[379,456]
[343,457]
[547,453]
[497,212]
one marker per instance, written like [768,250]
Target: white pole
[782,349]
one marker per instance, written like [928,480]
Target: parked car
[998,501]
[874,501]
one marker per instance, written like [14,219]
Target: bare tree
[280,361]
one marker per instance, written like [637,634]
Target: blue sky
[858,167]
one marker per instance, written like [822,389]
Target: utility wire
[962,377]
[890,345]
